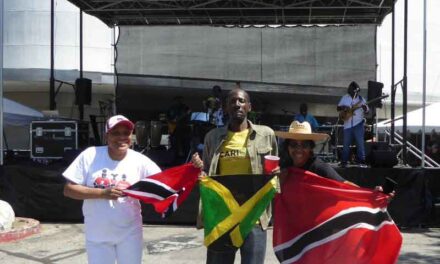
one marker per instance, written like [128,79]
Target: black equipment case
[51,139]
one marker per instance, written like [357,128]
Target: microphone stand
[288,111]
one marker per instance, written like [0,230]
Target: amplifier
[51,139]
[381,154]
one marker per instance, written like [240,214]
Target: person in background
[435,153]
[178,118]
[214,106]
[178,110]
[303,115]
[352,108]
[113,222]
[238,148]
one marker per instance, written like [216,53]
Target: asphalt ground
[64,243]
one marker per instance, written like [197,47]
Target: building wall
[27,55]
[27,37]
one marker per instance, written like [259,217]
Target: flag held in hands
[318,220]
[231,207]
[166,190]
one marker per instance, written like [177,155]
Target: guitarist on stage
[352,108]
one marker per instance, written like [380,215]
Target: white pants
[127,251]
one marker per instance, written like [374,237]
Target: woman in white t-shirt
[113,222]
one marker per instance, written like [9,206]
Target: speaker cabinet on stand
[83,94]
[380,155]
[374,91]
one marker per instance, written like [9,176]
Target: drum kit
[155,134]
[150,134]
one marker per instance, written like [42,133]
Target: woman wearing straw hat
[297,151]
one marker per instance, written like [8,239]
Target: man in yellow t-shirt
[239,148]
[234,158]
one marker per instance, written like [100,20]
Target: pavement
[64,243]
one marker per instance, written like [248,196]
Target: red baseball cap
[118,120]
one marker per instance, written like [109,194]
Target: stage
[35,190]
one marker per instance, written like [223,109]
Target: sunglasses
[300,144]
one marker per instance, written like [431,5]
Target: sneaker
[363,165]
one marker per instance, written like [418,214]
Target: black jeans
[253,250]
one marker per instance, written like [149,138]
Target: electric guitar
[347,114]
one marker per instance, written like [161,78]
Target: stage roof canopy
[237,12]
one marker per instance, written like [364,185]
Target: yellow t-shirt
[234,158]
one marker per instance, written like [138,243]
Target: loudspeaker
[380,155]
[374,91]
[83,91]
[383,158]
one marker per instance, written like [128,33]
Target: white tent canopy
[16,120]
[414,120]
[17,114]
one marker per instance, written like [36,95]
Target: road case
[51,139]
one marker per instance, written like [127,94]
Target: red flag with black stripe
[166,190]
[318,220]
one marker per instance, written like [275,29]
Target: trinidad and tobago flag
[318,220]
[166,190]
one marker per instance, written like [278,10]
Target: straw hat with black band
[302,131]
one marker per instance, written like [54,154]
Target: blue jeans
[252,251]
[356,132]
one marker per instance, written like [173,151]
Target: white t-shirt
[358,115]
[110,220]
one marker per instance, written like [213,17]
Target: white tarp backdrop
[298,59]
[324,56]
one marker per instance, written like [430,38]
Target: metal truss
[237,12]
